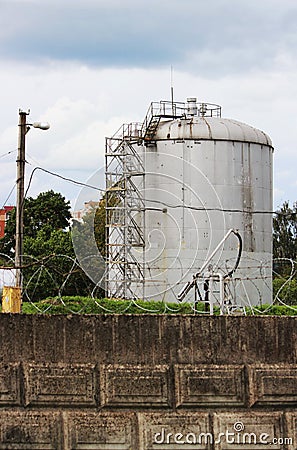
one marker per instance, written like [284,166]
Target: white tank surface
[204,176]
[211,128]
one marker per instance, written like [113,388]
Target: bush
[285,291]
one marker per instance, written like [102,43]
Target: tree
[285,232]
[89,244]
[94,225]
[49,211]
[48,259]
[57,273]
[285,247]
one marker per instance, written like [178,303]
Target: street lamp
[24,127]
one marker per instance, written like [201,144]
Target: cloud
[87,66]
[84,104]
[214,38]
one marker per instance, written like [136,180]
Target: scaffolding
[125,204]
[124,212]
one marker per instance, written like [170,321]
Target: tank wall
[195,192]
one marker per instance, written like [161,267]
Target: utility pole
[12,295]
[24,127]
[20,196]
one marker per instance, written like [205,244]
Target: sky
[88,66]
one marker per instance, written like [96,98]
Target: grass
[274,310]
[86,305]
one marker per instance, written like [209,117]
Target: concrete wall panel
[116,382]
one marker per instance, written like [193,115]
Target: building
[88,207]
[4,215]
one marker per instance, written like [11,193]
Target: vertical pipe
[107,256]
[221,293]
[183,190]
[171,84]
[143,222]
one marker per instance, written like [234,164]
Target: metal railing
[174,110]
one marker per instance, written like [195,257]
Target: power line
[70,180]
[33,159]
[9,195]
[204,208]
[7,153]
[164,204]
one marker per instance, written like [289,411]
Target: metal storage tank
[199,196]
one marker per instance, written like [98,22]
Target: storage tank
[206,191]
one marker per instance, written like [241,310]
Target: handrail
[164,109]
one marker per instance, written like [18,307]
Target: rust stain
[209,127]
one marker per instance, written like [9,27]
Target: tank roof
[211,128]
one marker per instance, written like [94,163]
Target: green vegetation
[87,305]
[46,213]
[285,291]
[273,310]
[65,286]
[285,232]
[48,258]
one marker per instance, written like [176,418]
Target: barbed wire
[202,208]
[62,278]
[8,153]
[9,195]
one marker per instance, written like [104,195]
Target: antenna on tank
[171,87]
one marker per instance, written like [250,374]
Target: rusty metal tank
[205,175]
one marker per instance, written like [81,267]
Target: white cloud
[84,104]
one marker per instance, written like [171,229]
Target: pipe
[190,284]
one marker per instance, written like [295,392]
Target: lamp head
[41,125]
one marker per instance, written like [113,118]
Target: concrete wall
[138,382]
